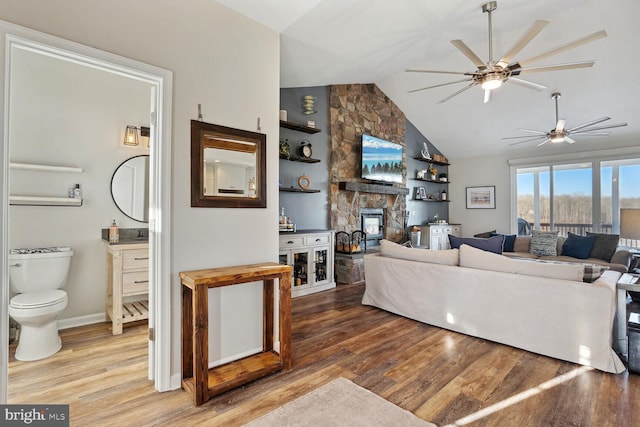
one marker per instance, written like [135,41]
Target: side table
[203,383]
[626,282]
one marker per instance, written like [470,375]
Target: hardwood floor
[441,376]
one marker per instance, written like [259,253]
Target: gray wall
[307,210]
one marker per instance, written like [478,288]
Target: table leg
[267,313]
[285,320]
[201,344]
[621,320]
[187,333]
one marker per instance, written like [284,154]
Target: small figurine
[425,152]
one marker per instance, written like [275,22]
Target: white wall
[65,114]
[479,172]
[228,64]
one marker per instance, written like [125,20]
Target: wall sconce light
[131,135]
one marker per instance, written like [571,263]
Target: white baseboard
[89,319]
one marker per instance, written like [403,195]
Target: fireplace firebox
[372,223]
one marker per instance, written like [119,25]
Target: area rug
[339,403]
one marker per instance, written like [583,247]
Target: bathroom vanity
[127,283]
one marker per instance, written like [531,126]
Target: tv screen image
[381,160]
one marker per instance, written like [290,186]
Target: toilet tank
[39,269]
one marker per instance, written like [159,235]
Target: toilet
[37,276]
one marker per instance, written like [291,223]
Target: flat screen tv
[381,160]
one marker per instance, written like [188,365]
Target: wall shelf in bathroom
[45,168]
[44,201]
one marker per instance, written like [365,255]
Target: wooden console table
[202,382]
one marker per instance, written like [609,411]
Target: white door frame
[161,80]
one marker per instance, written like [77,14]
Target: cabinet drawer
[291,241]
[319,239]
[135,259]
[436,230]
[135,282]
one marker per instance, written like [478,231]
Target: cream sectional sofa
[505,300]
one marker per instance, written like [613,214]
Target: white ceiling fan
[560,134]
[492,74]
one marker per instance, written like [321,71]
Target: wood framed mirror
[228,167]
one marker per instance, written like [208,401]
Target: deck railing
[581,229]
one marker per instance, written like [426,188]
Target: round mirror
[130,188]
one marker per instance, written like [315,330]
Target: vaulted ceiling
[326,42]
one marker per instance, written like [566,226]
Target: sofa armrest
[621,256]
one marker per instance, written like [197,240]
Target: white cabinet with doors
[436,236]
[311,255]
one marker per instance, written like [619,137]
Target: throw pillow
[544,243]
[394,250]
[578,246]
[509,241]
[491,244]
[592,272]
[605,245]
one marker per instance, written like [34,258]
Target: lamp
[131,135]
[630,224]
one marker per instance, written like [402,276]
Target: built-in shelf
[297,190]
[372,188]
[298,127]
[45,168]
[435,181]
[299,159]
[44,201]
[422,159]
[432,200]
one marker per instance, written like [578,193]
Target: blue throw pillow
[509,241]
[578,246]
[491,244]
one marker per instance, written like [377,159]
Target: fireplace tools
[353,243]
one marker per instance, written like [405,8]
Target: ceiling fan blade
[617,125]
[487,95]
[558,67]
[533,131]
[463,73]
[584,125]
[591,134]
[579,42]
[456,93]
[526,38]
[524,136]
[466,51]
[527,84]
[442,84]
[560,125]
[569,140]
[544,142]
[537,138]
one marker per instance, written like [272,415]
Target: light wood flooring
[441,376]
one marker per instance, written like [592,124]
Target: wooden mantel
[372,188]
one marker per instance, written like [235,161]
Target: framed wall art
[481,197]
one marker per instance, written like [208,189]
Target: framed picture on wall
[481,197]
[421,193]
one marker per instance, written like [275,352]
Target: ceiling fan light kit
[492,74]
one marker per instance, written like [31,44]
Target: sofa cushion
[544,243]
[491,244]
[509,241]
[394,250]
[522,244]
[577,246]
[605,245]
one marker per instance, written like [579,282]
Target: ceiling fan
[492,74]
[560,134]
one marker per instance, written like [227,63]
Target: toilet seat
[31,300]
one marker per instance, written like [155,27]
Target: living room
[236,83]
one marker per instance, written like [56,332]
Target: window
[577,197]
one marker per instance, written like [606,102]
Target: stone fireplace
[372,223]
[356,109]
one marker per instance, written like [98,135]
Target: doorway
[20,39]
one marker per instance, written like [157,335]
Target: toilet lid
[38,299]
